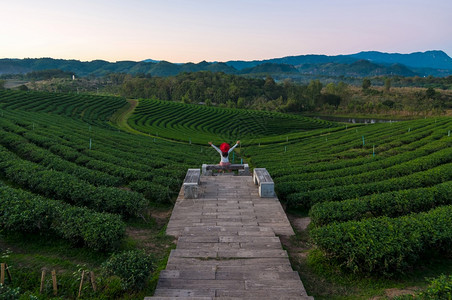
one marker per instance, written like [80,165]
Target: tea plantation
[58,153]
[200,123]
[379,195]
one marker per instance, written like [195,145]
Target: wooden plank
[43,275]
[93,281]
[81,284]
[54,282]
[2,273]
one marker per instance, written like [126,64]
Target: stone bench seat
[242,168]
[191,183]
[265,182]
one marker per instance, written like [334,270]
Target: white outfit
[224,159]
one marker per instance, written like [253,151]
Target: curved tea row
[65,162]
[378,195]
[200,123]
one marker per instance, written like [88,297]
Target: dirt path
[119,119]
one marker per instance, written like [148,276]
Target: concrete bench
[243,169]
[266,184]
[191,183]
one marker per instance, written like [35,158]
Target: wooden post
[81,284]
[2,274]
[43,275]
[54,281]
[93,281]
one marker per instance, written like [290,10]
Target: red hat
[224,147]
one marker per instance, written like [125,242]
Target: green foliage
[199,124]
[383,245]
[91,109]
[387,85]
[22,88]
[112,287]
[391,204]
[155,192]
[44,139]
[430,93]
[339,179]
[133,267]
[48,74]
[25,212]
[439,288]
[9,293]
[63,186]
[366,84]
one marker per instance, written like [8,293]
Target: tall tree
[366,84]
[387,84]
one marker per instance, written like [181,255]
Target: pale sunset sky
[213,30]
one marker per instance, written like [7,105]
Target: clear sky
[219,30]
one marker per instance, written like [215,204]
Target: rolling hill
[363,64]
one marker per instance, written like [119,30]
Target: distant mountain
[363,64]
[270,68]
[292,60]
[429,59]
[360,68]
[101,68]
[151,60]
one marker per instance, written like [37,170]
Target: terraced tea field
[200,124]
[379,195]
[58,152]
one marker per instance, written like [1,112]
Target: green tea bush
[155,192]
[439,288]
[9,293]
[26,212]
[133,267]
[60,185]
[433,176]
[384,245]
[390,204]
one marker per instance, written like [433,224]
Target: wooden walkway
[227,245]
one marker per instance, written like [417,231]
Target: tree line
[380,95]
[228,91]
[265,93]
